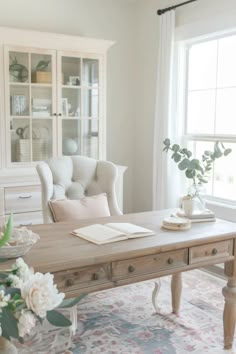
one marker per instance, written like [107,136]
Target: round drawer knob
[69,282]
[170,261]
[214,251]
[95,276]
[131,269]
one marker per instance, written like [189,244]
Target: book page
[99,233]
[129,229]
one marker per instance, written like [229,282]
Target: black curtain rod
[162,11]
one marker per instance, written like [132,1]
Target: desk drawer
[22,199]
[213,250]
[149,264]
[83,277]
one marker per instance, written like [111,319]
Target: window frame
[223,206]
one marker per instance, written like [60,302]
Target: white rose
[40,294]
[26,322]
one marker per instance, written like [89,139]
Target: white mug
[188,206]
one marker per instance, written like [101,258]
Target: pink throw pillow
[88,207]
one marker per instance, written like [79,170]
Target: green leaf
[194,163]
[2,260]
[207,153]
[9,323]
[7,232]
[190,173]
[166,142]
[213,157]
[227,152]
[184,164]
[57,319]
[189,154]
[12,291]
[175,147]
[218,154]
[71,302]
[177,157]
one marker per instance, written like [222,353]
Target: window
[211,108]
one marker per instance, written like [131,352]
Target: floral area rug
[123,320]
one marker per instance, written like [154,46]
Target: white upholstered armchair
[75,177]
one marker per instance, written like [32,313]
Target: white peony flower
[41,294]
[4,299]
[26,322]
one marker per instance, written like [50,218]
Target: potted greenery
[197,170]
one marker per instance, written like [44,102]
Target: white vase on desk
[188,205]
[198,193]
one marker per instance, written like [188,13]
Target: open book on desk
[111,232]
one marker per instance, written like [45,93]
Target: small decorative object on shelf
[40,75]
[18,72]
[196,170]
[27,298]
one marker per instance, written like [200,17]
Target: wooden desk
[82,267]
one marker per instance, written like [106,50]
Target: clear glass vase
[47,339]
[6,347]
[198,193]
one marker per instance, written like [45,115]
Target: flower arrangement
[27,297]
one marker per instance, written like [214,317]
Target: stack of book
[198,215]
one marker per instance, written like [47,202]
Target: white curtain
[166,176]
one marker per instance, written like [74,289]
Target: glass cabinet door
[79,105]
[30,104]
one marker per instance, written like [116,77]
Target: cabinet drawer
[22,199]
[149,264]
[83,277]
[213,250]
[27,219]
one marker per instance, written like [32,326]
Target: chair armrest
[46,179]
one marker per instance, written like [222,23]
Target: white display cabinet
[52,103]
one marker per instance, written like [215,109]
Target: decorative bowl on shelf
[19,244]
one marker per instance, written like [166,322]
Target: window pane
[226,62]
[201,112]
[226,111]
[202,65]
[222,179]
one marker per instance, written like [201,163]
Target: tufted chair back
[75,177]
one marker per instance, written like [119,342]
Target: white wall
[131,67]
[107,19]
[197,13]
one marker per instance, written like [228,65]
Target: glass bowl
[19,244]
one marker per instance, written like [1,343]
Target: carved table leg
[229,316]
[176,289]
[155,294]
